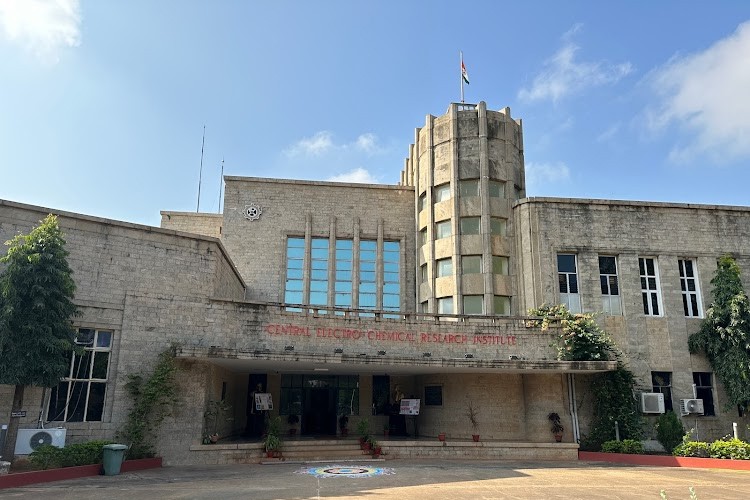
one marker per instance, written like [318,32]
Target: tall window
[610,286]
[319,272]
[471,264]
[391,278]
[568,279]
[496,189]
[381,394]
[444,267]
[469,225]
[423,273]
[441,193]
[422,236]
[498,226]
[421,201]
[469,187]
[499,265]
[473,304]
[691,298]
[442,229]
[80,395]
[501,304]
[295,256]
[343,285]
[445,305]
[649,286]
[367,278]
[704,390]
[662,382]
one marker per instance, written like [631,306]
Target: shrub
[630,446]
[697,449]
[669,430]
[730,448]
[51,457]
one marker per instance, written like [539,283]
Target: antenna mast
[221,182]
[200,174]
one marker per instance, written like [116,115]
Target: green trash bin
[112,458]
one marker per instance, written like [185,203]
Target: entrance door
[319,417]
[254,423]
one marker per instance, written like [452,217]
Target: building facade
[338,299]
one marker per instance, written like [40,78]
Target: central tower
[467,169]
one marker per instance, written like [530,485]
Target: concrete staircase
[322,450]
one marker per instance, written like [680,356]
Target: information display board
[409,407]
[263,401]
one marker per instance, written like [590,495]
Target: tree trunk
[10,438]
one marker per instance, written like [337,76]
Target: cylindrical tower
[467,169]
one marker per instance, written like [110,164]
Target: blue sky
[103,103]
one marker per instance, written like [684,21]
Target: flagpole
[461,75]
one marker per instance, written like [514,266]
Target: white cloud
[42,27]
[540,174]
[609,133]
[316,145]
[563,75]
[706,94]
[358,175]
[322,143]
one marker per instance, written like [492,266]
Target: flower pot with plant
[557,428]
[472,413]
[441,436]
[344,425]
[214,416]
[386,430]
[292,420]
[272,441]
[363,429]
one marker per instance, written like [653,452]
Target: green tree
[724,336]
[580,337]
[36,308]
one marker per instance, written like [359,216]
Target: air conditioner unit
[652,402]
[29,440]
[688,406]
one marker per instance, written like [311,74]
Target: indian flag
[464,74]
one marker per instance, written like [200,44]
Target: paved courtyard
[402,479]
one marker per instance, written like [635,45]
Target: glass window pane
[469,225]
[566,263]
[319,274]
[293,297]
[391,288]
[295,253]
[390,267]
[391,301]
[496,189]
[442,193]
[318,298]
[319,243]
[103,339]
[367,276]
[498,226]
[499,265]
[445,305]
[367,287]
[367,300]
[443,229]
[294,274]
[344,244]
[473,304]
[390,277]
[367,245]
[471,264]
[77,402]
[294,285]
[343,275]
[319,253]
[96,402]
[607,265]
[469,187]
[391,246]
[343,286]
[296,242]
[501,304]
[444,267]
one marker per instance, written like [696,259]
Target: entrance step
[338,449]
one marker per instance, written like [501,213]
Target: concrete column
[484,175]
[458,306]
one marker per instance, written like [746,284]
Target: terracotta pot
[214,438]
[441,436]
[475,437]
[558,438]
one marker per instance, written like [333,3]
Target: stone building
[339,298]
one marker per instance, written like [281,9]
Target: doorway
[319,417]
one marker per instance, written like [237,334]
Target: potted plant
[363,429]
[441,436]
[214,415]
[370,444]
[272,441]
[472,413]
[557,428]
[343,425]
[292,420]
[386,430]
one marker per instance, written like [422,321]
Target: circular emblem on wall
[252,211]
[350,471]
